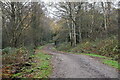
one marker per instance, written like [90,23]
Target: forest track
[78,66]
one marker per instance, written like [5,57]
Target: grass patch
[16,75]
[43,65]
[40,66]
[40,47]
[107,60]
[53,48]
[95,55]
[111,63]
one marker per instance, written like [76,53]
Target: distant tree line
[84,20]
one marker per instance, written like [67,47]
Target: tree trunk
[105,17]
[119,29]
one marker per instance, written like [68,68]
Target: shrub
[64,47]
[106,47]
[8,50]
[15,59]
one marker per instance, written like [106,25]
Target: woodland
[77,27]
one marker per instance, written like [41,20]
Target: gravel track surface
[68,65]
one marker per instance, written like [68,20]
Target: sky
[47,1]
[52,9]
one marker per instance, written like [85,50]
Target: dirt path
[79,66]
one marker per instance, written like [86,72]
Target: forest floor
[67,65]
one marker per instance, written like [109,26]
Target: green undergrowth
[41,66]
[38,66]
[14,60]
[41,47]
[44,66]
[53,48]
[106,49]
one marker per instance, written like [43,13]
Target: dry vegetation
[107,47]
